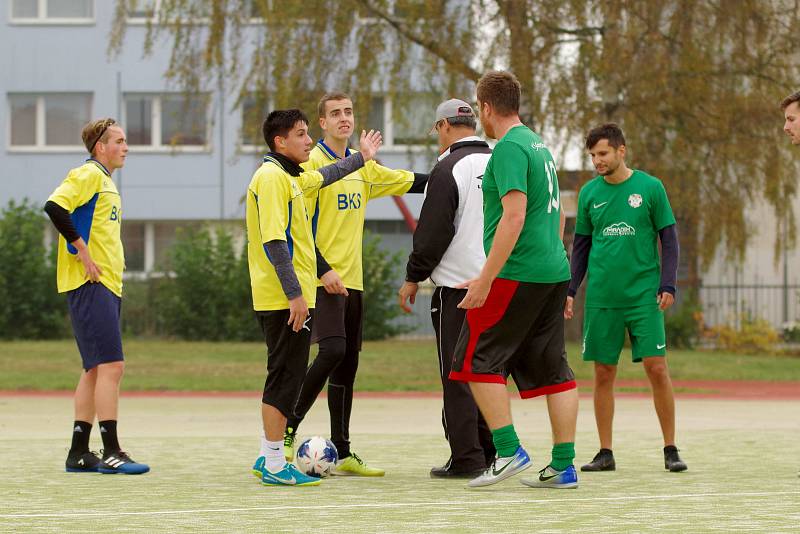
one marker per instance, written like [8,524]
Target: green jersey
[623,220]
[520,161]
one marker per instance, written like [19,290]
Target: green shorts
[604,333]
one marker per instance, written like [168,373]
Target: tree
[694,83]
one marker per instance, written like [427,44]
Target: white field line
[432,504]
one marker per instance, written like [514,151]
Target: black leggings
[337,364]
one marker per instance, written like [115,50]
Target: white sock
[263,451]
[274,459]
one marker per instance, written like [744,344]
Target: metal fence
[728,304]
[722,304]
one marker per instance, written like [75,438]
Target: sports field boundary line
[401,505]
[684,389]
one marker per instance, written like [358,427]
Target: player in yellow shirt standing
[338,225]
[283,273]
[86,210]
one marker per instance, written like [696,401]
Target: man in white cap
[448,249]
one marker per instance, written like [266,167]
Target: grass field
[385,366]
[743,459]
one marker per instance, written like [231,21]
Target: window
[412,119]
[142,9]
[147,11]
[133,242]
[376,117]
[52,11]
[255,107]
[166,233]
[183,120]
[48,120]
[167,121]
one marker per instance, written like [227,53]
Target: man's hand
[93,271]
[477,291]
[568,313]
[333,284]
[408,291]
[298,312]
[369,144]
[665,300]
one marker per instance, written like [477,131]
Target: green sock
[563,454]
[505,440]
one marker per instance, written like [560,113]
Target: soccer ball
[317,456]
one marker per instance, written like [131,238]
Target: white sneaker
[502,468]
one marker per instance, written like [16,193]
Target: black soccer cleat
[87,462]
[603,461]
[672,460]
[448,471]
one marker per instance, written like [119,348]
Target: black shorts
[339,316]
[519,331]
[94,311]
[287,358]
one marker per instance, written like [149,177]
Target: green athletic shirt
[521,161]
[623,220]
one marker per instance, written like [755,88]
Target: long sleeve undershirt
[278,255]
[62,221]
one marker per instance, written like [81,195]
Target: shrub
[753,335]
[684,323]
[791,332]
[31,307]
[380,279]
[207,296]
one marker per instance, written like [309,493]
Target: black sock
[108,431]
[670,448]
[606,451]
[80,438]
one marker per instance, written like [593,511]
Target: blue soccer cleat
[502,468]
[550,478]
[121,463]
[258,467]
[288,476]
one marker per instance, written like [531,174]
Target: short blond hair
[96,131]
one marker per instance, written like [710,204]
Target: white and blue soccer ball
[317,456]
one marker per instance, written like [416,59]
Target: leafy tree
[694,83]
[31,307]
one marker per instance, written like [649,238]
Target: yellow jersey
[88,193]
[276,210]
[338,210]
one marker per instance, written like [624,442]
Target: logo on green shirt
[618,230]
[635,200]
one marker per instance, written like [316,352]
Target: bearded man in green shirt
[622,214]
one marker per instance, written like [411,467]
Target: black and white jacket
[448,241]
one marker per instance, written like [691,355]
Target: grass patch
[394,365]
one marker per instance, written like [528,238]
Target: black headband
[108,124]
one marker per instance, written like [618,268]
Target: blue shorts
[95,311]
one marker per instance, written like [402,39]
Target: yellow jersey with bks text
[89,195]
[337,211]
[276,210]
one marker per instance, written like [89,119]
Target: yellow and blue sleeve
[77,189]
